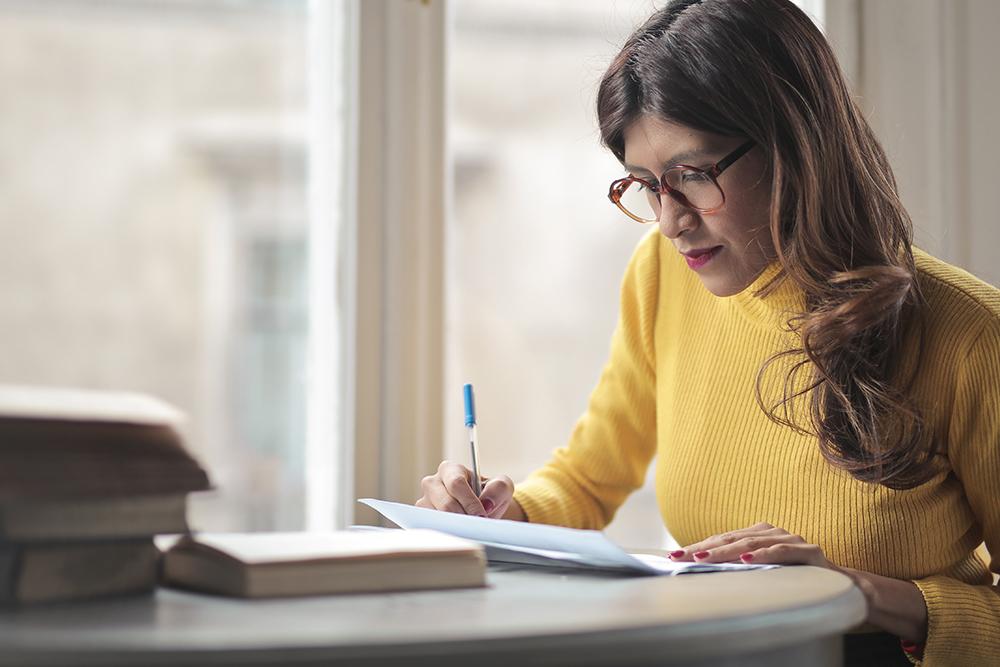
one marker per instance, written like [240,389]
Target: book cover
[294,564]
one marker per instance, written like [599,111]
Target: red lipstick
[700,257]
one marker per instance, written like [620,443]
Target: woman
[815,389]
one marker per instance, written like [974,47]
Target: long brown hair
[761,69]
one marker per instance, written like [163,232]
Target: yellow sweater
[680,385]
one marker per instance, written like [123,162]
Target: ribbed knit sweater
[679,385]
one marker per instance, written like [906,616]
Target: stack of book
[86,480]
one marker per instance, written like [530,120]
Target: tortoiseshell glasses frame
[675,180]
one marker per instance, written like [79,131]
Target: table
[791,615]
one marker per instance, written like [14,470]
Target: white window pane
[536,250]
[155,232]
[816,9]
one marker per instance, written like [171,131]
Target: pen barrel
[474,451]
[470,405]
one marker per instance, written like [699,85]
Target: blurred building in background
[155,216]
[536,252]
[152,229]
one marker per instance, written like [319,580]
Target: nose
[675,218]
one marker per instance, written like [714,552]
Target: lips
[699,257]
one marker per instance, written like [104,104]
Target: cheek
[758,199]
[742,231]
[749,219]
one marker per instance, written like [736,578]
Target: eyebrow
[677,159]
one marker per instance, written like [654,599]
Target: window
[535,251]
[161,227]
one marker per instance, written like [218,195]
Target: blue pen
[470,424]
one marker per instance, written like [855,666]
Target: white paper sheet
[566,546]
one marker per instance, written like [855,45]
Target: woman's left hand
[894,605]
[760,543]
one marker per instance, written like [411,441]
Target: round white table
[791,615]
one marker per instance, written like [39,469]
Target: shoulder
[956,300]
[647,254]
[641,283]
[655,262]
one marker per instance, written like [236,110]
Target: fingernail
[677,554]
[746,558]
[701,554]
[488,505]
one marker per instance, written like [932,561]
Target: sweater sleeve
[607,455]
[964,619]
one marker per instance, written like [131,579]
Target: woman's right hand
[450,490]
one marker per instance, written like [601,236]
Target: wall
[925,71]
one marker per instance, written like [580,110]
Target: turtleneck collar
[784,301]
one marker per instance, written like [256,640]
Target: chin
[721,285]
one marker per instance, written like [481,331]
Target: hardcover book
[257,565]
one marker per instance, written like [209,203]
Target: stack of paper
[537,544]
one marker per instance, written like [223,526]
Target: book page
[60,404]
[293,547]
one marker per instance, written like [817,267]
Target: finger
[452,468]
[500,510]
[788,553]
[731,552]
[443,501]
[496,495]
[427,482]
[716,541]
[456,482]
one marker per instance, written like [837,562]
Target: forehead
[652,143]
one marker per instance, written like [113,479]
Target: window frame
[396,365]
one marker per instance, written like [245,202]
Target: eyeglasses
[699,189]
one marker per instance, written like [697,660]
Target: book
[92,518]
[71,444]
[260,565]
[87,478]
[61,572]
[523,543]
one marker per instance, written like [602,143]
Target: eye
[646,187]
[694,177]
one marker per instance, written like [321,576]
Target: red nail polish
[746,558]
[488,505]
[701,554]
[677,554]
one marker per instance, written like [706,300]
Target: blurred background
[307,223]
[153,232]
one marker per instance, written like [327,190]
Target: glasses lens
[639,200]
[698,188]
